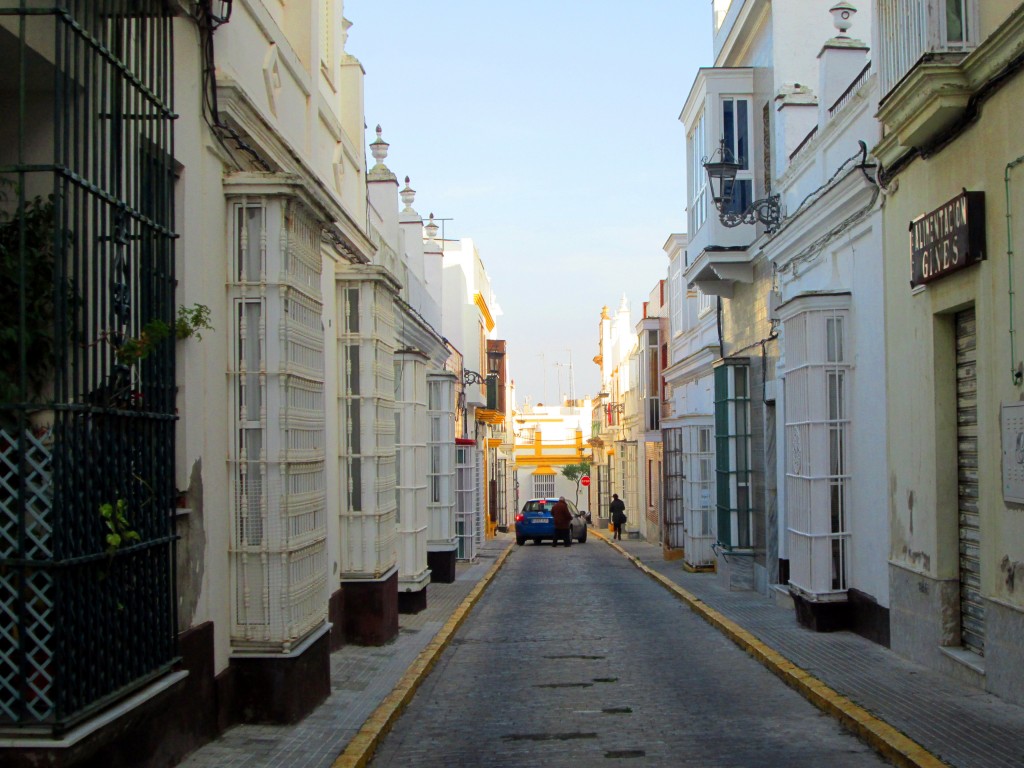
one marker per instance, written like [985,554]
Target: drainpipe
[1015,370]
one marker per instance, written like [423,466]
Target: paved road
[573,657]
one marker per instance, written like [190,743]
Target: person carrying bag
[618,510]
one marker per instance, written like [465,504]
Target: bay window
[817,464]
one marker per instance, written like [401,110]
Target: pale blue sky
[549,133]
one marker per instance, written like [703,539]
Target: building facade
[950,82]
[241,449]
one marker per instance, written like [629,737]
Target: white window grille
[698,210]
[909,29]
[411,462]
[677,295]
[366,343]
[543,486]
[707,303]
[465,502]
[737,135]
[652,380]
[441,467]
[699,494]
[817,471]
[278,549]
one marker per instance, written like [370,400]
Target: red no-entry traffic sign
[584,481]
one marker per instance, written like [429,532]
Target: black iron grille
[86,356]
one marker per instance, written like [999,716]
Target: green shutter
[724,501]
[492,393]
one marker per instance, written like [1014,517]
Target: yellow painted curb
[362,746]
[893,745]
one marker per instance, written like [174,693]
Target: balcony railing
[850,92]
[908,29]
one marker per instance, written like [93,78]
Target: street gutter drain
[548,736]
[625,753]
[606,679]
[618,710]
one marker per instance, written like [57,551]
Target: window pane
[742,135]
[352,317]
[955,21]
[834,336]
[729,129]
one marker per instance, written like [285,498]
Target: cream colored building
[951,154]
[286,483]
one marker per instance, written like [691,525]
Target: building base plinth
[371,611]
[442,566]
[285,690]
[412,602]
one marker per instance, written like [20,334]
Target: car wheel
[536,540]
[520,540]
[583,537]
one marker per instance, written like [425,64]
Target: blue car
[535,522]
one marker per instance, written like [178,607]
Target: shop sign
[948,239]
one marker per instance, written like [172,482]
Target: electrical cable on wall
[208,23]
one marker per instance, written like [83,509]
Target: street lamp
[722,180]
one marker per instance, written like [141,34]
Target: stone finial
[842,16]
[604,313]
[408,195]
[379,148]
[431,228]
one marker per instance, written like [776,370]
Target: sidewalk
[363,682]
[892,703]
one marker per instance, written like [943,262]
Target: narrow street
[574,656]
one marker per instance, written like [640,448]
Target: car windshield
[537,506]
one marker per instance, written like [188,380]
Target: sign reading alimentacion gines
[948,239]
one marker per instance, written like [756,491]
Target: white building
[688,421]
[828,301]
[468,322]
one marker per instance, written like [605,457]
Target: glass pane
[251,352]
[354,421]
[955,21]
[742,135]
[729,130]
[834,336]
[740,378]
[742,192]
[353,369]
[352,317]
[355,484]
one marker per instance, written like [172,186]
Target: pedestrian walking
[563,522]
[618,510]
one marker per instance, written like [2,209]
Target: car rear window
[537,506]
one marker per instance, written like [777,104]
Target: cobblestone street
[574,656]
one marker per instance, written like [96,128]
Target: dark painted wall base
[335,614]
[157,734]
[269,690]
[870,619]
[371,611]
[412,602]
[822,617]
[860,613]
[442,566]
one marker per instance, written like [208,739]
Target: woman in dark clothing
[618,510]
